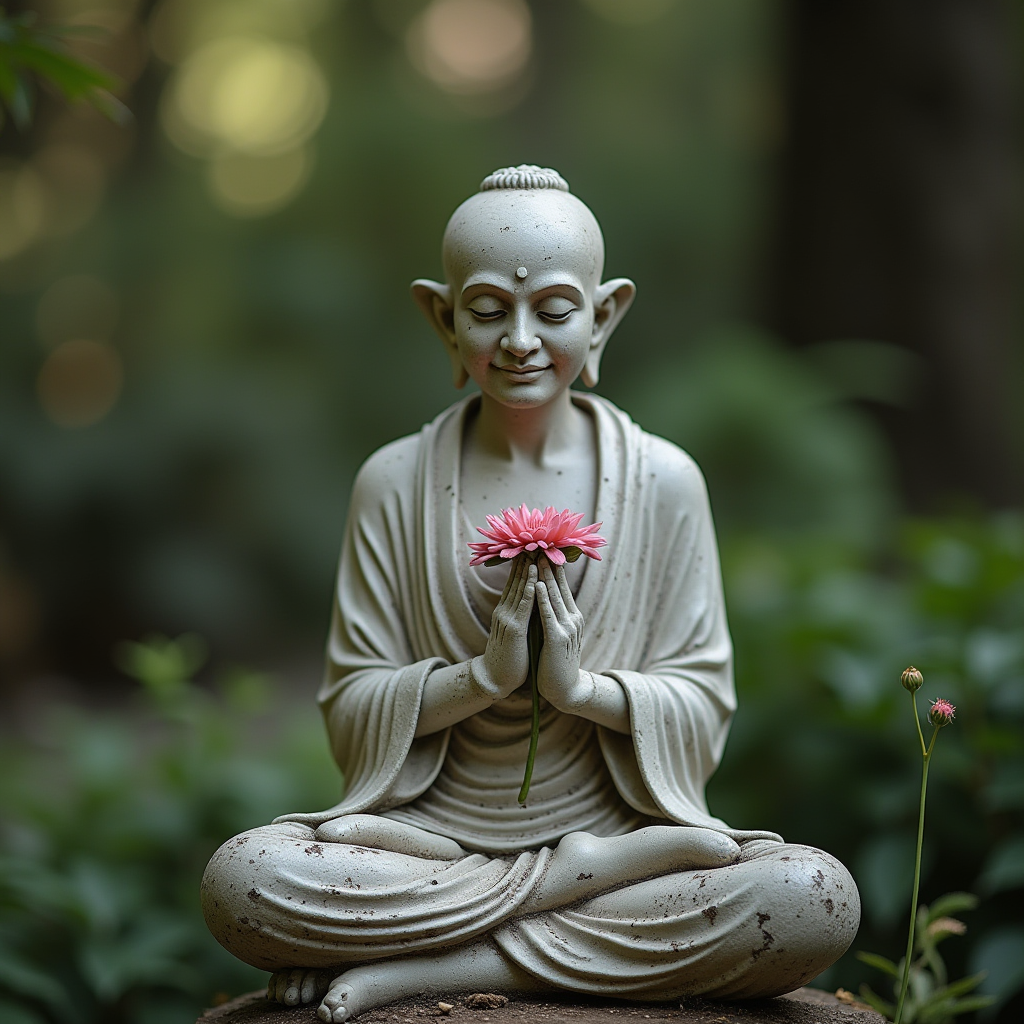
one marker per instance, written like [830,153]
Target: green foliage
[931,998]
[822,749]
[109,822]
[27,50]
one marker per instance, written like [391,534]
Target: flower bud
[911,679]
[941,712]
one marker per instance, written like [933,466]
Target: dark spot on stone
[580,877]
[819,879]
[253,895]
[829,906]
[243,920]
[316,850]
[710,913]
[251,861]
[785,858]
[433,881]
[761,918]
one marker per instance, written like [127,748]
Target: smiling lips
[529,370]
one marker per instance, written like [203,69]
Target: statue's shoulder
[673,473]
[676,473]
[390,470]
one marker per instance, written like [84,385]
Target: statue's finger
[512,582]
[548,618]
[555,592]
[564,589]
[524,604]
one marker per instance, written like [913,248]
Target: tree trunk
[899,221]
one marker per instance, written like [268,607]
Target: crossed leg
[685,929]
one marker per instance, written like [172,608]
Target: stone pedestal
[805,1006]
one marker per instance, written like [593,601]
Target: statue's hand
[558,673]
[506,661]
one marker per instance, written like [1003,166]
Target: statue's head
[524,311]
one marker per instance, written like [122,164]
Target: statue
[613,878]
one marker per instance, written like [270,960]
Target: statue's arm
[688,654]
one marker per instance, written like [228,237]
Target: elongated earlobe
[435,302]
[611,301]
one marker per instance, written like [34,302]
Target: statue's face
[523,267]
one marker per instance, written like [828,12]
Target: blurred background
[205,327]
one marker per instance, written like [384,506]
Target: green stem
[926,757]
[534,642]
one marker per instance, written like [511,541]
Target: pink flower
[552,532]
[941,712]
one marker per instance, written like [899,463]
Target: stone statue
[613,878]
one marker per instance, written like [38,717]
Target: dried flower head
[911,679]
[947,926]
[942,712]
[556,534]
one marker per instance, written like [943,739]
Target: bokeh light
[247,185]
[23,208]
[250,94]
[79,383]
[471,47]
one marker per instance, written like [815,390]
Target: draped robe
[407,604]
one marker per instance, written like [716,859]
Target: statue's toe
[338,1004]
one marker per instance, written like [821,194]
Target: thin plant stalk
[534,642]
[926,755]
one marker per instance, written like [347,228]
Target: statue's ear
[435,302]
[611,300]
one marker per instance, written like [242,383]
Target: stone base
[805,1006]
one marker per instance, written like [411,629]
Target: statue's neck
[534,435]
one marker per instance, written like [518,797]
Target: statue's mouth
[528,372]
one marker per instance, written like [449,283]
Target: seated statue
[613,878]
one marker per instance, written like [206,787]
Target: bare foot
[474,967]
[583,865]
[354,992]
[298,985]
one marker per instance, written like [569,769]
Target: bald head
[523,257]
[533,228]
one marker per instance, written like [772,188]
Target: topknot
[524,176]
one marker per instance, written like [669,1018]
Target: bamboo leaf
[572,553]
[956,988]
[950,904]
[874,960]
[496,560]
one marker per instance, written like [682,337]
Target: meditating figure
[612,878]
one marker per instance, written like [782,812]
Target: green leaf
[947,1008]
[572,553]
[74,78]
[496,560]
[951,903]
[874,960]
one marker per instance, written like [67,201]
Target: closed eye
[555,318]
[495,314]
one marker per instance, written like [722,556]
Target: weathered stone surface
[805,1006]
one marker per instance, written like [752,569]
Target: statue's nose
[520,340]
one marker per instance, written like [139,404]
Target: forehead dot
[521,273]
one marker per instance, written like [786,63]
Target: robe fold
[655,621]
[304,892]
